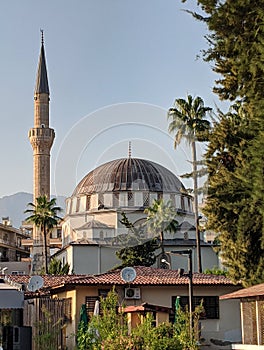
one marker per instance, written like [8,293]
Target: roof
[147,307]
[254,291]
[146,276]
[128,174]
[93,224]
[42,85]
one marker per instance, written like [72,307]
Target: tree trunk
[196,217]
[45,250]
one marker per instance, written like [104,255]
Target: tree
[43,215]
[235,204]
[161,218]
[187,120]
[137,251]
[230,208]
[56,267]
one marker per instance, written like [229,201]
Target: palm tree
[187,121]
[161,218]
[43,215]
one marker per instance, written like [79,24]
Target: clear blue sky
[132,54]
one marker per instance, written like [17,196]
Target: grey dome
[127,174]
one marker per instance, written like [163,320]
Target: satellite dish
[128,274]
[35,283]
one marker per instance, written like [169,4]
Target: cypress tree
[235,154]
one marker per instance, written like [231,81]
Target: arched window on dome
[146,199]
[100,200]
[116,199]
[88,202]
[189,204]
[77,205]
[172,199]
[130,199]
[182,203]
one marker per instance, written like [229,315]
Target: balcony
[53,242]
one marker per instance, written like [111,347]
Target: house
[11,316]
[11,248]
[156,287]
[252,316]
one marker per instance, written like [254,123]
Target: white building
[92,232]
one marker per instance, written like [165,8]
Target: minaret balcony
[41,132]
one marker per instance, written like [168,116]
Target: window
[210,305]
[182,203]
[116,200]
[90,301]
[88,202]
[100,199]
[130,198]
[58,232]
[77,205]
[146,199]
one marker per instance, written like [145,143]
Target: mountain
[14,206]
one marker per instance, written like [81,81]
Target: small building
[252,316]
[156,287]
[12,331]
[11,249]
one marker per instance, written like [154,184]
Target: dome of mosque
[129,174]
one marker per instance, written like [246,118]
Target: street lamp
[188,252]
[164,261]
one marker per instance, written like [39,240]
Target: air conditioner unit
[132,293]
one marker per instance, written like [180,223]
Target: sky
[114,69]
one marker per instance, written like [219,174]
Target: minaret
[41,137]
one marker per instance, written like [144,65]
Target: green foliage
[232,208]
[235,156]
[161,218]
[188,121]
[188,337]
[140,255]
[216,271]
[56,267]
[137,252]
[109,331]
[43,214]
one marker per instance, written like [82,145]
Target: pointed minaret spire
[42,85]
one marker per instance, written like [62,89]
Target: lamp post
[188,252]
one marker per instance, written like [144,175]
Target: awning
[11,299]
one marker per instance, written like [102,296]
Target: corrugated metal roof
[128,174]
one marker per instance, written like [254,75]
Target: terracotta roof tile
[147,276]
[257,290]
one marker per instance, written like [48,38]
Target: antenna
[129,149]
[35,283]
[42,36]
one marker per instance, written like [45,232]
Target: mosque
[91,228]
